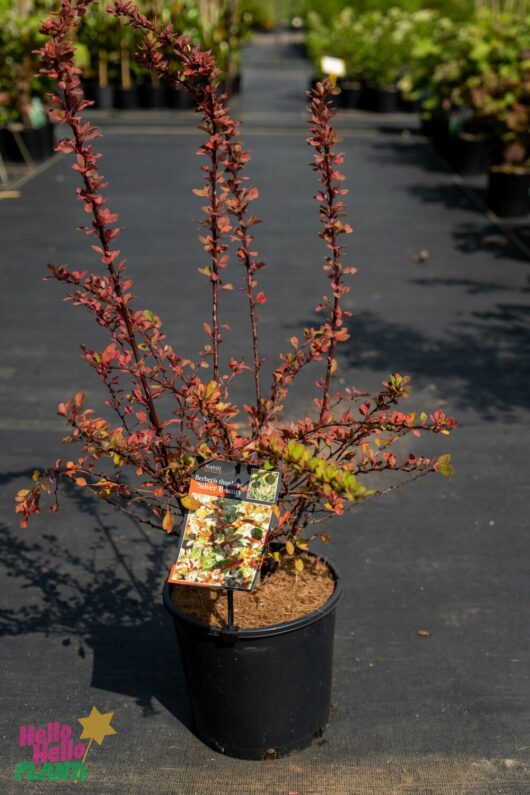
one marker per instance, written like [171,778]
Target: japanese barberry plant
[143,460]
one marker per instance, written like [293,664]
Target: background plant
[142,461]
[19,37]
[478,54]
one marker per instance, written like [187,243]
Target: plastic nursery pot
[151,96]
[409,105]
[380,100]
[178,99]
[350,94]
[470,154]
[104,97]
[509,192]
[237,83]
[38,142]
[230,86]
[125,98]
[259,693]
[437,129]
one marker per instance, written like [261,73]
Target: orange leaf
[167,523]
[190,503]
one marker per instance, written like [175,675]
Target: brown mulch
[283,595]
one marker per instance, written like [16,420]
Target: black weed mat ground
[81,592]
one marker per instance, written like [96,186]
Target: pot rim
[265,631]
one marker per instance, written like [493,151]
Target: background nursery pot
[248,699]
[39,142]
[471,154]
[509,192]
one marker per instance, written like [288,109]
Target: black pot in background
[470,154]
[409,105]
[3,143]
[125,98]
[50,135]
[508,192]
[259,693]
[39,143]
[236,83]
[89,88]
[104,97]
[350,94]
[230,86]
[437,128]
[379,100]
[178,99]
[151,96]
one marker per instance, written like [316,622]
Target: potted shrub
[27,133]
[125,94]
[248,699]
[466,75]
[340,37]
[509,181]
[98,33]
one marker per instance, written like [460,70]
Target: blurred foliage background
[465,63]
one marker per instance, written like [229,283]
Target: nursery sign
[225,533]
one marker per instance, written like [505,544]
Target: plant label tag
[335,67]
[225,531]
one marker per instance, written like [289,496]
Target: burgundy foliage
[324,458]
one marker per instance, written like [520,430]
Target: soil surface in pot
[284,594]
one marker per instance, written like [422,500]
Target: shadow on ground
[104,607]
[477,238]
[482,361]
[414,151]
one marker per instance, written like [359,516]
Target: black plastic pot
[380,100]
[178,99]
[236,83]
[230,86]
[350,94]
[509,192]
[259,693]
[39,143]
[89,88]
[151,96]
[125,98]
[470,154]
[104,97]
[437,128]
[409,105]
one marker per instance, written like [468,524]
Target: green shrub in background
[379,48]
[19,36]
[105,48]
[458,63]
[474,71]
[329,10]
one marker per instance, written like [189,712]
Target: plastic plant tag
[335,67]
[226,529]
[37,113]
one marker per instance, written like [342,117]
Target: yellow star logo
[96,726]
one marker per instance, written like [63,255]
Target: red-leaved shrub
[324,458]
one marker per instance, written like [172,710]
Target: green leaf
[443,466]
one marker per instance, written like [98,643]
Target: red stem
[332,245]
